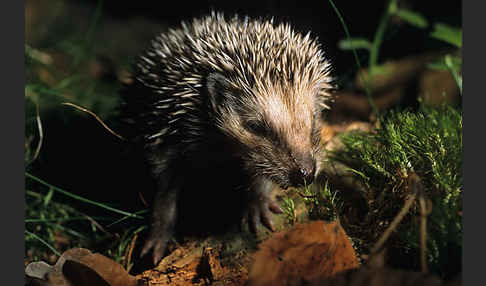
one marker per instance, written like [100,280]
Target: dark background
[361,17]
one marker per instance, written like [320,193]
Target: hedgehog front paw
[259,211]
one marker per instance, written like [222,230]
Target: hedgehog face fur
[278,137]
[260,85]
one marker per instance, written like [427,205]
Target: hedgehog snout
[304,173]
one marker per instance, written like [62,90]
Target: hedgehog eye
[256,127]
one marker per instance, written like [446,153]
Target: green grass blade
[126,217]
[48,197]
[455,72]
[346,31]
[413,18]
[43,242]
[62,219]
[447,34]
[81,198]
[354,43]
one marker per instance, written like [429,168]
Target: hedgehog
[236,102]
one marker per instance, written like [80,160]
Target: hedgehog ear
[219,89]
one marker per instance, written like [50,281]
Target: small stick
[393,224]
[95,223]
[130,251]
[96,117]
[416,187]
[424,212]
[140,195]
[41,133]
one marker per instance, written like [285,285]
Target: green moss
[429,143]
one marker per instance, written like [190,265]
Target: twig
[416,188]
[424,212]
[140,195]
[393,224]
[41,133]
[130,251]
[96,117]
[93,221]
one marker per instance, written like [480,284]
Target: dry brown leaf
[305,253]
[37,269]
[78,266]
[79,274]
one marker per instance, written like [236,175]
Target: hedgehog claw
[274,207]
[157,244]
[267,221]
[260,212]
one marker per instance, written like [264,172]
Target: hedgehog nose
[304,175]
[308,174]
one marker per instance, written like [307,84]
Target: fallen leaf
[78,266]
[79,274]
[37,269]
[307,252]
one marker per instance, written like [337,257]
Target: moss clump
[428,143]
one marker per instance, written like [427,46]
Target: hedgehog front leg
[164,215]
[260,205]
